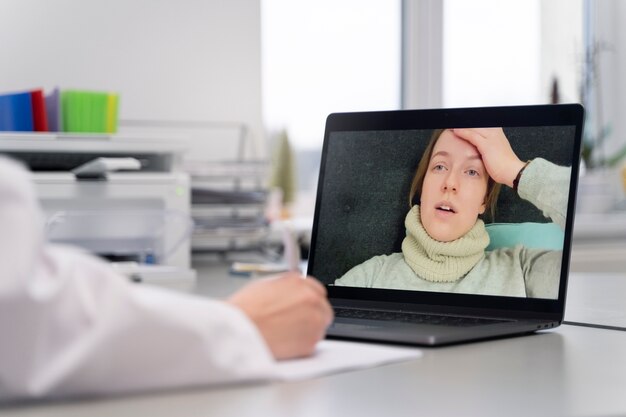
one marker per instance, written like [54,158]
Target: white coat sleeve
[69,325]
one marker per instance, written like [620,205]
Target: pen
[292,253]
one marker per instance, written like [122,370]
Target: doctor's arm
[70,325]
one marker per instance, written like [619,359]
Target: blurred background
[246,85]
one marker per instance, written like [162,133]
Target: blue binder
[16,112]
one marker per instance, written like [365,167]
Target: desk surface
[570,371]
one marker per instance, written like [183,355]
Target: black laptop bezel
[506,116]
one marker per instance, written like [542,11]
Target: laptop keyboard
[409,317]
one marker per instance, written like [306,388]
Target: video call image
[425,210]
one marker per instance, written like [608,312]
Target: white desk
[571,371]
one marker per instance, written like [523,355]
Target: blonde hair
[493,188]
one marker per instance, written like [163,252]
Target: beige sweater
[517,272]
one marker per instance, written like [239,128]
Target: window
[326,56]
[492,53]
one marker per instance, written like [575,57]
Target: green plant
[592,147]
[283,168]
[596,132]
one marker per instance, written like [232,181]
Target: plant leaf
[617,157]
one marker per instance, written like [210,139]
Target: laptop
[365,226]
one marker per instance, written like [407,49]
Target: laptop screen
[409,208]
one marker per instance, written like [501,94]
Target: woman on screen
[457,181]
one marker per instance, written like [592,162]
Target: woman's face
[454,189]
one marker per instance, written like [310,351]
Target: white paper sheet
[333,356]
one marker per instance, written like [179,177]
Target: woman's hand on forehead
[501,162]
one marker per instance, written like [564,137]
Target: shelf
[86,142]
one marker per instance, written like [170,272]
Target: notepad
[335,356]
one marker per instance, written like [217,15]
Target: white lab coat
[69,325]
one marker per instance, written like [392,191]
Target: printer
[123,198]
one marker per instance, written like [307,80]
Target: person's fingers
[317,286]
[473,136]
[309,281]
[328,312]
[485,132]
[324,305]
[477,133]
[292,274]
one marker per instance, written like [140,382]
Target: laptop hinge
[445,309]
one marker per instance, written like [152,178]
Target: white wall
[169,60]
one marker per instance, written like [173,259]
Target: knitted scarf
[442,261]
